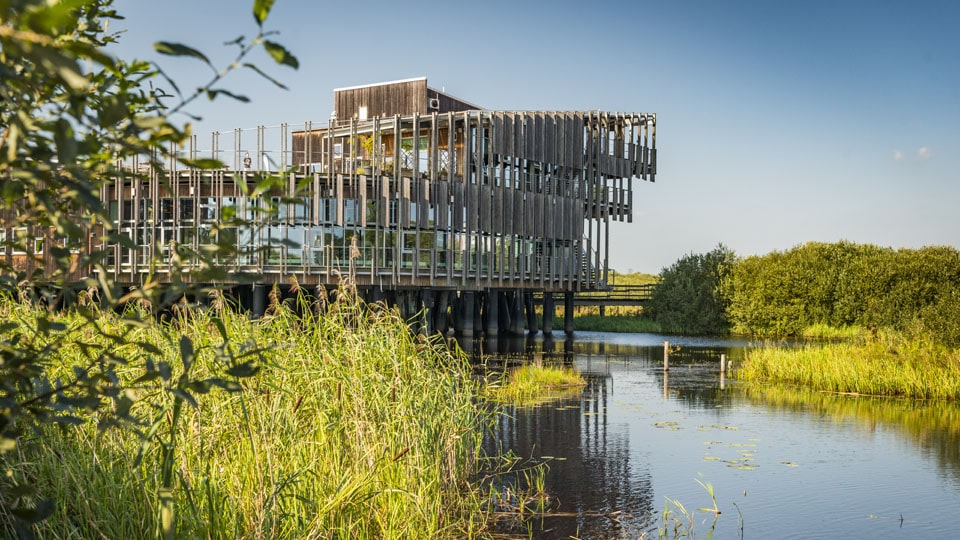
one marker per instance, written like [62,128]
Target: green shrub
[689,298]
[846,284]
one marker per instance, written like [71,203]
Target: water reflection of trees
[591,473]
[933,426]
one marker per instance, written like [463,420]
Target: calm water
[783,463]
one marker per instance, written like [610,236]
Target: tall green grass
[352,428]
[889,364]
[615,323]
[532,384]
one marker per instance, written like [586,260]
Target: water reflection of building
[591,473]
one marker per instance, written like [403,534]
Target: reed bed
[889,364]
[352,428]
[532,384]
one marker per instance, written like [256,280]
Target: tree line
[837,284]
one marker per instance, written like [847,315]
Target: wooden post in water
[723,363]
[666,355]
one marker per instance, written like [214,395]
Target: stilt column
[548,312]
[492,312]
[568,312]
[532,324]
[259,301]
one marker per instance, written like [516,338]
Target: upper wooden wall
[447,103]
[405,98]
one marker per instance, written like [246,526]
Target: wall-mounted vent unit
[433,104]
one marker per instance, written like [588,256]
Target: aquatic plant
[533,384]
[678,522]
[890,364]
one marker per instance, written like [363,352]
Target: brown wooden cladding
[403,98]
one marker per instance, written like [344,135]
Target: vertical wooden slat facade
[466,200]
[428,192]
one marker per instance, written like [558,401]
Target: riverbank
[885,364]
[352,428]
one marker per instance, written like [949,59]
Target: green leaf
[229,386]
[212,94]
[280,54]
[203,163]
[186,352]
[35,514]
[179,49]
[66,144]
[261,8]
[265,76]
[200,387]
[149,122]
[184,395]
[221,328]
[246,369]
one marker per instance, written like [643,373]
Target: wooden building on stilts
[427,201]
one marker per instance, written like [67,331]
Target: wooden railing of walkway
[618,295]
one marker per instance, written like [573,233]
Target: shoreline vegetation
[352,427]
[883,321]
[889,364]
[532,384]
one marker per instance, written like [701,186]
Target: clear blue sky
[778,122]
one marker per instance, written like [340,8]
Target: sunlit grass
[615,323]
[888,365]
[352,429]
[825,331]
[532,384]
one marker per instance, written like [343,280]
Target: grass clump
[826,331]
[890,364]
[352,428]
[615,323]
[533,384]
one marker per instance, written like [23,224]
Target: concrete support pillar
[259,300]
[492,309]
[426,311]
[548,312]
[516,313]
[568,312]
[531,307]
[466,313]
[456,303]
[441,305]
[506,317]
